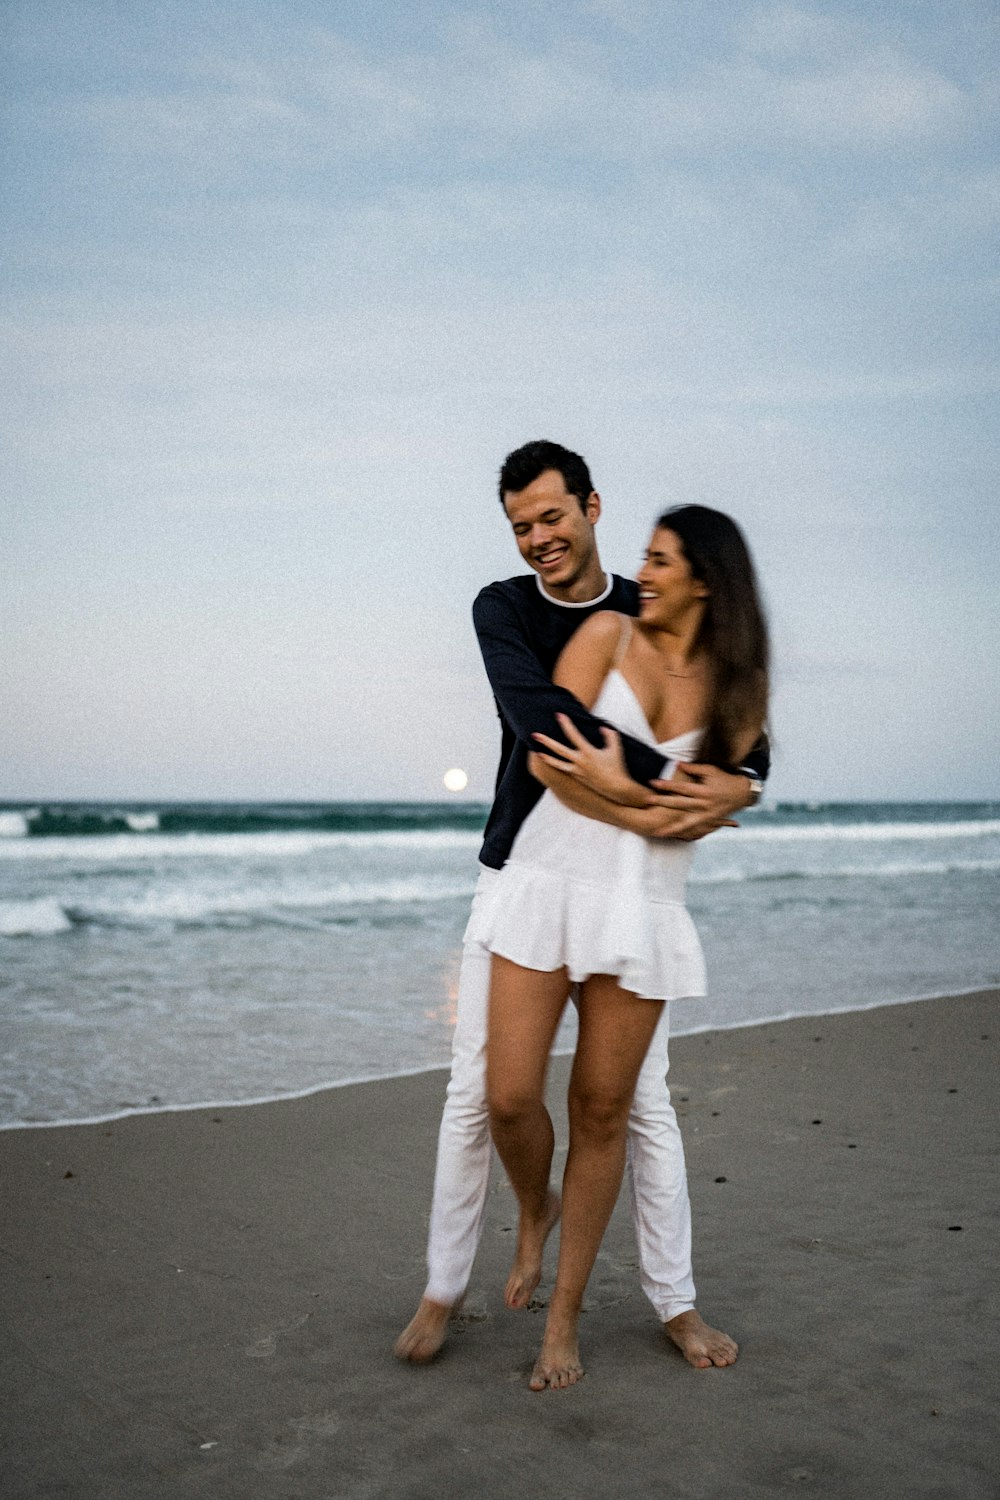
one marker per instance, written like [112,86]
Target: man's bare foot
[423,1336]
[701,1345]
[558,1364]
[526,1272]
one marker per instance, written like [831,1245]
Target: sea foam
[194,906]
[869,833]
[145,822]
[13,825]
[40,918]
[118,848]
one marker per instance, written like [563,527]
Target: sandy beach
[204,1303]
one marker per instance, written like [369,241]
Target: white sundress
[597,899]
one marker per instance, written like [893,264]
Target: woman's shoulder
[598,638]
[605,627]
[590,653]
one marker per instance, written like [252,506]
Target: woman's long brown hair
[733,631]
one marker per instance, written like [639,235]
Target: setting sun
[455,780]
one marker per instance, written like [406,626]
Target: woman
[582,900]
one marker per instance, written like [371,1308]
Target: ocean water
[161,955]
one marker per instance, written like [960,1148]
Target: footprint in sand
[282,1452]
[265,1346]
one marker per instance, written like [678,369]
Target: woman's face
[668,592]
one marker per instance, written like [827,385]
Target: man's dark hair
[523,466]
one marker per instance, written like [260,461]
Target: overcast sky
[287,281]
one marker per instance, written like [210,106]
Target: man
[522,625]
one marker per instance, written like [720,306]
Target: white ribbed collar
[584,604]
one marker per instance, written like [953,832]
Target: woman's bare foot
[423,1336]
[701,1345]
[558,1363]
[526,1272]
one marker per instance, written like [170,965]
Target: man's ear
[592,507]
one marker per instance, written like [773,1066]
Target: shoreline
[374,1078]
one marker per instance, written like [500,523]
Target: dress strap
[623,642]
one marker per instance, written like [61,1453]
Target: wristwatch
[756,790]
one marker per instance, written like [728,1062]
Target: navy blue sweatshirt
[521,633]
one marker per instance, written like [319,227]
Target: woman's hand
[602,769]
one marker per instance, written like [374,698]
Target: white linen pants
[655,1165]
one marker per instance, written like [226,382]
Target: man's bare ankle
[426,1331]
[436,1308]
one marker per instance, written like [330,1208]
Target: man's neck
[588,589]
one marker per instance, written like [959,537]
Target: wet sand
[204,1303]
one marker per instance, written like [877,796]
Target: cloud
[787,31]
[879,101]
[792,80]
[628,15]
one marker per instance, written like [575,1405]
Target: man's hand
[704,794]
[697,800]
[707,790]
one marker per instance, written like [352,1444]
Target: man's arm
[657,820]
[758,762]
[530,700]
[696,786]
[531,703]
[710,794]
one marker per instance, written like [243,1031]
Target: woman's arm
[581,799]
[597,783]
[697,799]
[655,820]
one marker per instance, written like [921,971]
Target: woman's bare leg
[615,1030]
[525,1006]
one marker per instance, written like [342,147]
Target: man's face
[554,533]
